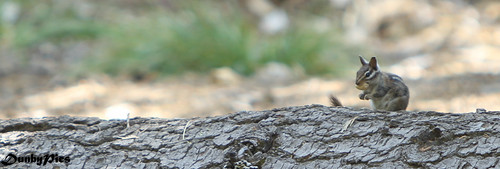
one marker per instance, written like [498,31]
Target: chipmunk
[386,91]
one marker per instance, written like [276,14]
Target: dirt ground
[198,96]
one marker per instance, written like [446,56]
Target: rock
[119,111]
[275,73]
[274,22]
[225,76]
[272,19]
[10,11]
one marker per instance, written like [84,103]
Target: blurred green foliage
[43,21]
[191,36]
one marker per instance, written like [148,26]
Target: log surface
[311,136]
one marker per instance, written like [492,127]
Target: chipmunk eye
[367,74]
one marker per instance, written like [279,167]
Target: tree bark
[312,136]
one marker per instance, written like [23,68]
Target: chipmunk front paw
[364,96]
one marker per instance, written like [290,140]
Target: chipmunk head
[367,72]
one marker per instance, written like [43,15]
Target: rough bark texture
[312,136]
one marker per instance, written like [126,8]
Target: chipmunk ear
[373,63]
[363,61]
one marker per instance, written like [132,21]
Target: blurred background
[180,59]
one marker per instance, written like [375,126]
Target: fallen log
[312,136]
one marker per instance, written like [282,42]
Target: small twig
[185,127]
[128,120]
[424,149]
[348,123]
[147,127]
[128,137]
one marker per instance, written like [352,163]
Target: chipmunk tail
[335,102]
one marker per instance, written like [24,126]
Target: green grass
[43,22]
[194,37]
[40,22]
